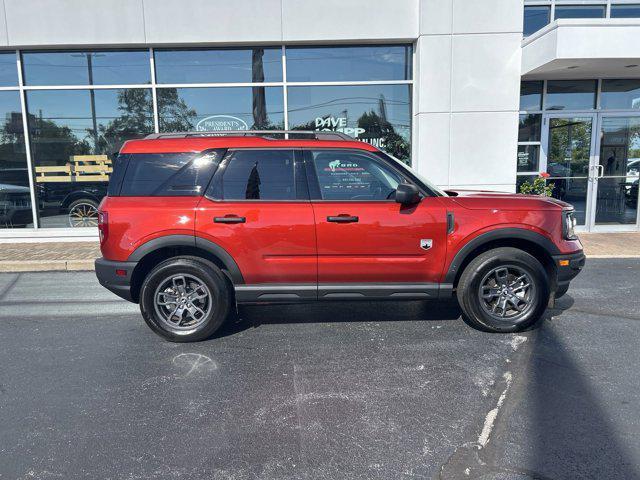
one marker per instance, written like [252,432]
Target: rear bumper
[568,266]
[116,277]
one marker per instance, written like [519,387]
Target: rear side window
[255,175]
[348,175]
[115,180]
[169,174]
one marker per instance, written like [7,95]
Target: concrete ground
[344,390]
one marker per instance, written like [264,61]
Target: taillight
[103,226]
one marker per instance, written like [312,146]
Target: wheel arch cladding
[531,242]
[149,254]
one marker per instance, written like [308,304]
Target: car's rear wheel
[185,299]
[83,213]
[503,290]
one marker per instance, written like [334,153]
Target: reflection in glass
[621,94]
[8,69]
[86,67]
[535,18]
[570,95]
[220,108]
[528,158]
[569,147]
[580,11]
[377,114]
[573,191]
[529,127]
[73,133]
[346,63]
[15,199]
[218,65]
[520,179]
[531,95]
[617,201]
[625,11]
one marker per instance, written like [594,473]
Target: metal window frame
[88,233]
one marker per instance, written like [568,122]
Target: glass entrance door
[568,143]
[616,173]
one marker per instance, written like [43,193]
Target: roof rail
[317,135]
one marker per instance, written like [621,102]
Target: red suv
[194,224]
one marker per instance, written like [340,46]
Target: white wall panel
[434,73]
[436,17]
[488,16]
[64,22]
[483,148]
[433,146]
[486,72]
[365,20]
[206,21]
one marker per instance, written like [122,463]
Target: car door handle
[343,219]
[230,219]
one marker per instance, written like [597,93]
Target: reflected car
[15,206]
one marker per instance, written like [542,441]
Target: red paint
[292,242]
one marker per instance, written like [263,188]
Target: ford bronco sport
[194,224]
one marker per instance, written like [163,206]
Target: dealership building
[474,94]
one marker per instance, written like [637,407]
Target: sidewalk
[73,256]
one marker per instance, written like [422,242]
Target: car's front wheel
[503,290]
[185,299]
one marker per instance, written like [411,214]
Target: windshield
[435,189]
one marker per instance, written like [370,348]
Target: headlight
[569,225]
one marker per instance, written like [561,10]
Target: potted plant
[539,186]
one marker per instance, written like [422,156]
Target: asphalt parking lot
[352,390]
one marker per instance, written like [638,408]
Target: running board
[286,293]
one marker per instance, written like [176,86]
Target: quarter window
[169,174]
[347,175]
[256,175]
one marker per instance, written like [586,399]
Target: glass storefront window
[8,69]
[218,65]
[580,11]
[377,114]
[535,17]
[529,127]
[86,68]
[620,94]
[571,95]
[528,158]
[625,11]
[73,136]
[220,108]
[342,63]
[531,95]
[15,197]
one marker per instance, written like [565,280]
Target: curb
[7,266]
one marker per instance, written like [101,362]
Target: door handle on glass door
[229,219]
[342,218]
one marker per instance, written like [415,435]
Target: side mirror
[407,194]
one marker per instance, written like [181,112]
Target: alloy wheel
[507,293]
[83,215]
[182,302]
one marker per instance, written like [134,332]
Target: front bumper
[116,277]
[568,266]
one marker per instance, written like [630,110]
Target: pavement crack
[8,288]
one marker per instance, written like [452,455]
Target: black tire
[561,291]
[194,271]
[83,212]
[521,310]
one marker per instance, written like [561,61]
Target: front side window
[169,174]
[355,176]
[255,175]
